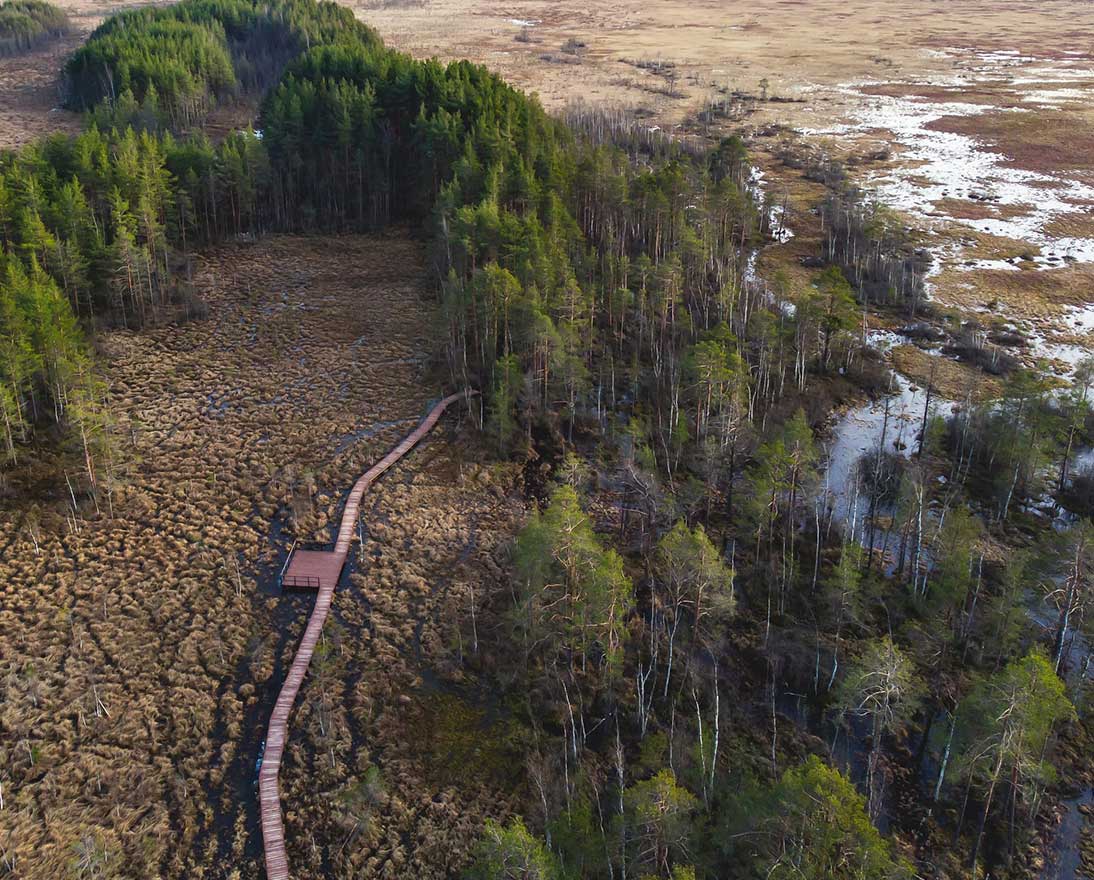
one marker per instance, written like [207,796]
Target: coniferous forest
[25,24]
[687,580]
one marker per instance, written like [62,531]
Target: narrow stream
[892,425]
[1065,860]
[858,432]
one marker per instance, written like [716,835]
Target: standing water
[859,431]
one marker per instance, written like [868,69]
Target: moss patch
[462,745]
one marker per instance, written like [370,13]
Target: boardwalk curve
[269,795]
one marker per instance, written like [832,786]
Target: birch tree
[1004,728]
[881,687]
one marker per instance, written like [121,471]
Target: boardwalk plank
[269,795]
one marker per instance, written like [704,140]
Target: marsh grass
[138,645]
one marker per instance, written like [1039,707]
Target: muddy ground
[144,643]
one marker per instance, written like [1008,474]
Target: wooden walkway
[269,797]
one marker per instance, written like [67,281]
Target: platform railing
[300,580]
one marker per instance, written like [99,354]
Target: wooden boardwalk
[269,796]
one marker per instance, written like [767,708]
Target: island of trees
[27,24]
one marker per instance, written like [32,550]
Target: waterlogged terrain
[990,163]
[317,355]
[151,635]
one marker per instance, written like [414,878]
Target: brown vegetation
[1029,294]
[966,209]
[949,378]
[792,44]
[981,93]
[28,94]
[1077,225]
[146,648]
[139,644]
[1044,140]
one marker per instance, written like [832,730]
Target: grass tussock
[138,649]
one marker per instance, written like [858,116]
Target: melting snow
[1053,96]
[775,217]
[1074,322]
[937,165]
[940,164]
[859,431]
[986,265]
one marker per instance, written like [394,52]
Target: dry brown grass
[131,649]
[28,93]
[966,209]
[785,261]
[1077,225]
[1047,141]
[805,50]
[792,44]
[432,536]
[980,93]
[1028,294]
[237,417]
[976,245]
[796,46]
[951,379]
[798,195]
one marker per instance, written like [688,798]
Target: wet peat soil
[145,642]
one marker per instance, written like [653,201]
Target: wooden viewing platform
[311,569]
[319,570]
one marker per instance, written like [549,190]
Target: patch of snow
[1039,75]
[1083,460]
[1078,250]
[776,213]
[1076,321]
[858,432]
[949,165]
[884,340]
[1003,58]
[938,165]
[1053,96]
[1082,319]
